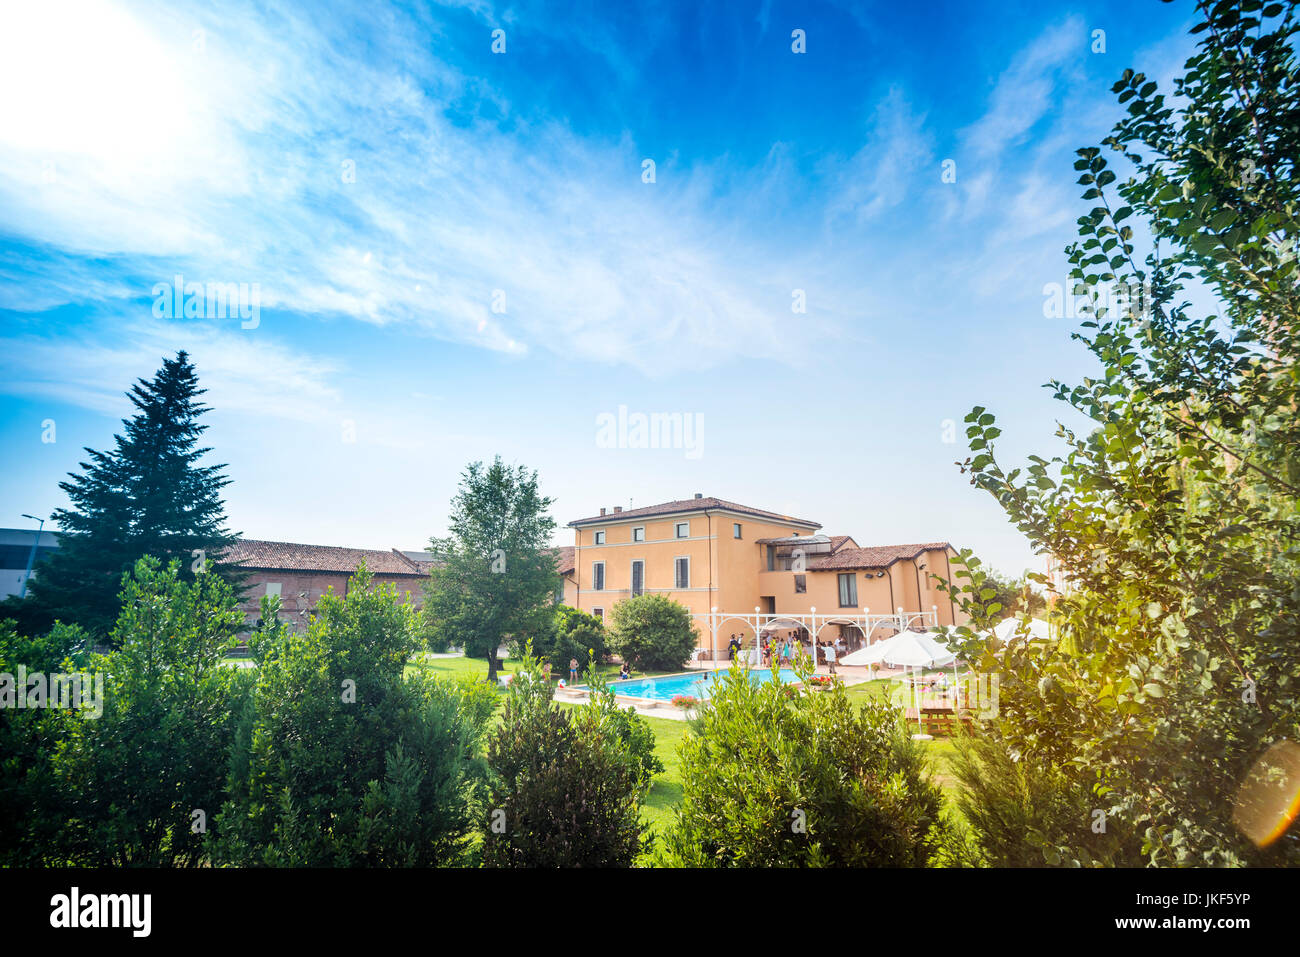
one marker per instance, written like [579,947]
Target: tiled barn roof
[289,556]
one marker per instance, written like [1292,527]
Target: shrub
[343,761]
[1022,811]
[572,634]
[625,725]
[32,805]
[131,780]
[774,780]
[565,789]
[652,633]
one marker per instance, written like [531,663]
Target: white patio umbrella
[904,650]
[1009,628]
[907,649]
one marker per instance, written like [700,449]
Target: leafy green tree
[141,782]
[1173,517]
[496,576]
[573,634]
[774,777]
[340,760]
[652,632]
[147,496]
[1017,596]
[565,789]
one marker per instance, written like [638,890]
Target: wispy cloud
[273,154]
[1027,89]
[244,375]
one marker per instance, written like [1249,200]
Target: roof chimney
[602,511]
[699,495]
[617,509]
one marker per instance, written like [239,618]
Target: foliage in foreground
[773,779]
[1175,516]
[340,759]
[566,788]
[122,789]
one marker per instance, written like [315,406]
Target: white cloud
[1024,92]
[244,156]
[892,159]
[244,372]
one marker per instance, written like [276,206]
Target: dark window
[598,576]
[800,584]
[735,530]
[638,577]
[849,591]
[15,556]
[682,576]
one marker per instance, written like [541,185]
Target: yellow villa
[744,571]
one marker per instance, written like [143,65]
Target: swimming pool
[693,683]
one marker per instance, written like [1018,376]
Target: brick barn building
[300,574]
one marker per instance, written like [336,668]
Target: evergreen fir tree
[148,496]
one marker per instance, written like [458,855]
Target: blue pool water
[666,688]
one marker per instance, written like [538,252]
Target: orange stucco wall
[723,569]
[729,573]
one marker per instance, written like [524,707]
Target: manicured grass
[477,667]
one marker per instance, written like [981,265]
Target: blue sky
[381,175]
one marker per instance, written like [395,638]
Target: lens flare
[1269,797]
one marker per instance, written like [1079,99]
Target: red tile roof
[564,559]
[876,556]
[688,505]
[288,556]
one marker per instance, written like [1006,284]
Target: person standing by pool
[573,670]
